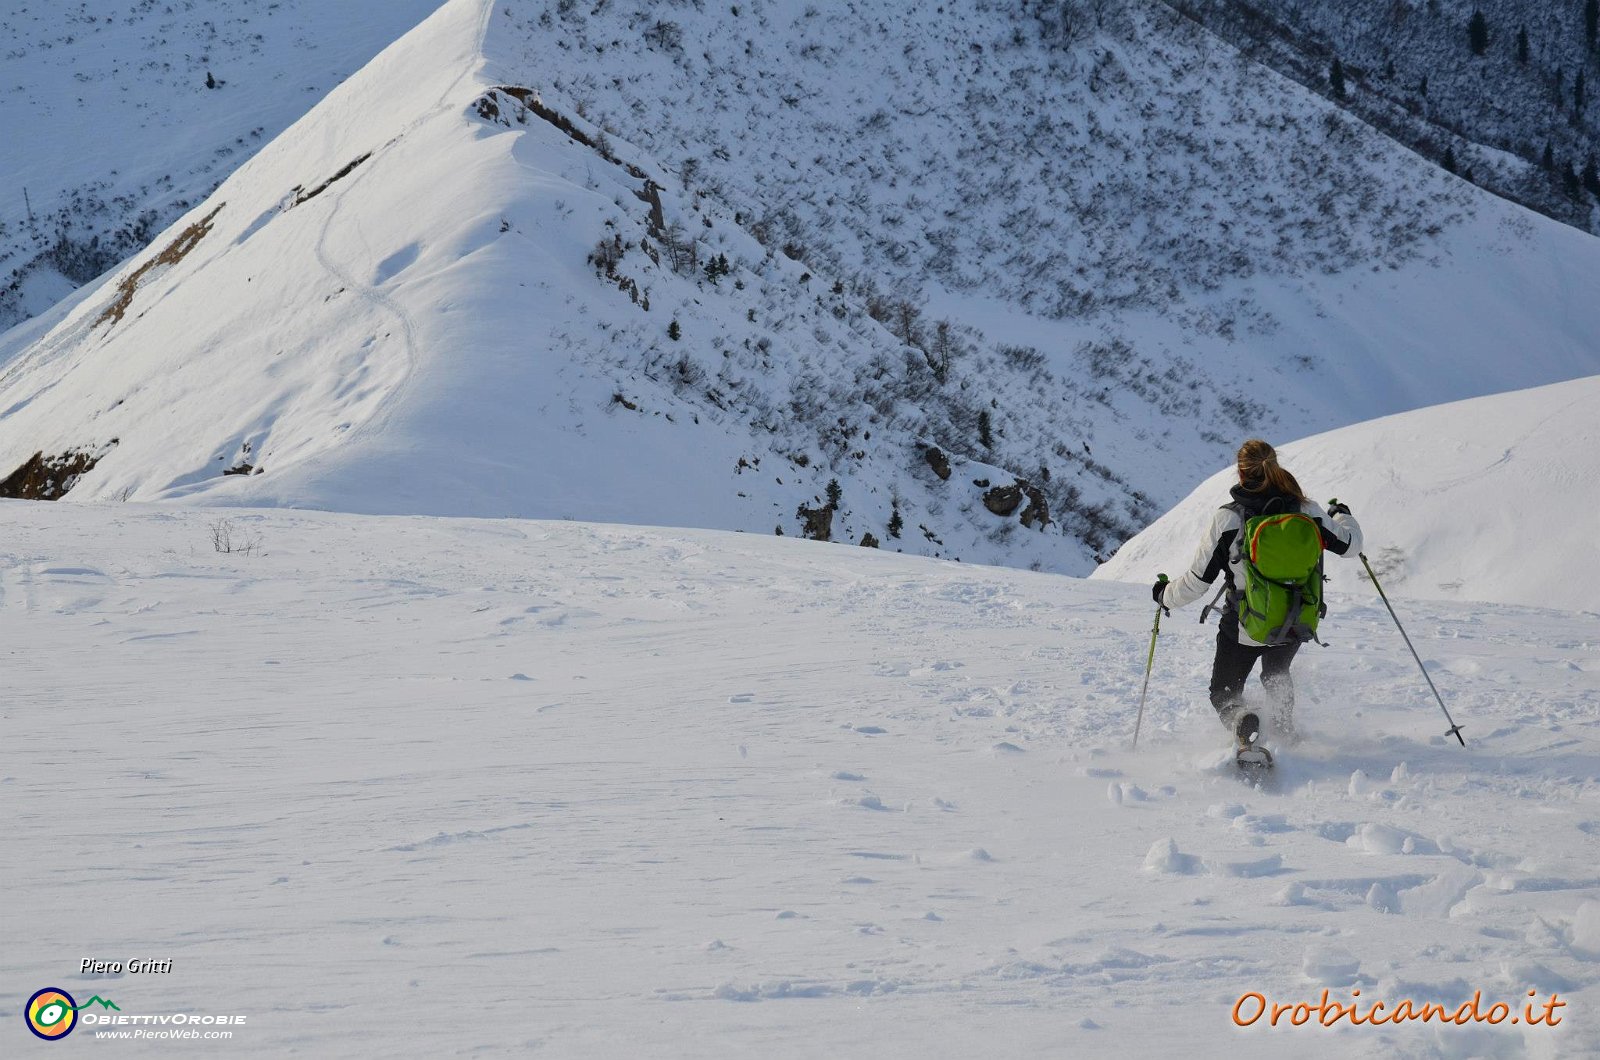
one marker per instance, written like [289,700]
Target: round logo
[51,1013]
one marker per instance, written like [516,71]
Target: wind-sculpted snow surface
[1492,499]
[609,790]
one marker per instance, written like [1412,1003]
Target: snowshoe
[1253,759]
[1250,753]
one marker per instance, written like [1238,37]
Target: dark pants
[1235,661]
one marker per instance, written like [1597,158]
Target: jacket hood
[1255,502]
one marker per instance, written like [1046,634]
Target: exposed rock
[868,541]
[818,522]
[1037,514]
[939,462]
[1003,500]
[49,478]
[303,196]
[171,254]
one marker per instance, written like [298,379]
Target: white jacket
[1217,554]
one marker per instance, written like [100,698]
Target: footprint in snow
[1439,896]
[1247,870]
[1586,931]
[1374,838]
[1330,966]
[1120,794]
[1265,824]
[1381,897]
[1165,858]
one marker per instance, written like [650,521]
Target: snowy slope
[427,334]
[107,129]
[423,787]
[1494,499]
[1409,69]
[1136,181]
[394,308]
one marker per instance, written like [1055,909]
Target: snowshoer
[1267,542]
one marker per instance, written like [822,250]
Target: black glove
[1335,508]
[1159,588]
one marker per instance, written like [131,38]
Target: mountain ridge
[446,291]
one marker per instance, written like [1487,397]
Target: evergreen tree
[1591,177]
[674,332]
[835,493]
[1449,162]
[1336,77]
[1478,33]
[1422,87]
[985,430]
[717,268]
[1570,181]
[1577,95]
[1591,21]
[1548,162]
[897,521]
[1522,41]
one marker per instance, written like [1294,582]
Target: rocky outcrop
[1036,516]
[818,522]
[49,478]
[1005,500]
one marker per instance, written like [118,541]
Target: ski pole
[1149,664]
[1454,730]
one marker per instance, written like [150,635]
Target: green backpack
[1281,599]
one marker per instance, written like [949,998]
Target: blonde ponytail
[1259,471]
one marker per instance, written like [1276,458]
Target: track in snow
[596,788]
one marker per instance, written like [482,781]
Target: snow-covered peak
[475,280]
